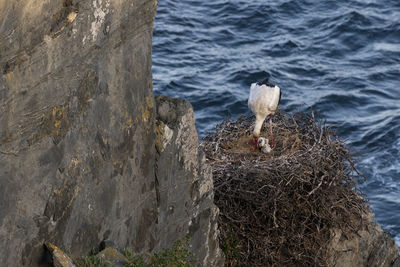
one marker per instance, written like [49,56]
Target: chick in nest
[263,145]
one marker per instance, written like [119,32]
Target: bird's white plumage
[263,101]
[263,145]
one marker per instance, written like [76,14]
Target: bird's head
[262,142]
[263,145]
[256,133]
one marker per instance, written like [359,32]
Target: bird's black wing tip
[267,82]
[280,95]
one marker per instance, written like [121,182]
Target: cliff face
[184,183]
[78,162]
[369,247]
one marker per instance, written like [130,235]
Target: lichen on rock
[60,259]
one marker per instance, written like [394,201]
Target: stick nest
[280,208]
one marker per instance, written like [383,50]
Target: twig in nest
[282,206]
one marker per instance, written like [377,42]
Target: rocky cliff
[369,246]
[83,157]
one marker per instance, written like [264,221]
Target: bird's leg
[253,141]
[270,127]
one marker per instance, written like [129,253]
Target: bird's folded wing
[254,88]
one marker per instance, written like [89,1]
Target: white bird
[263,101]
[263,145]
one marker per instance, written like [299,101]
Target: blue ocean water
[342,58]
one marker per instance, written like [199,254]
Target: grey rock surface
[185,192]
[371,247]
[76,127]
[77,136]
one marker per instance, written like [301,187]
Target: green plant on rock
[133,260]
[92,261]
[229,246]
[177,256]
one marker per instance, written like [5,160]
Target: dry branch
[279,208]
